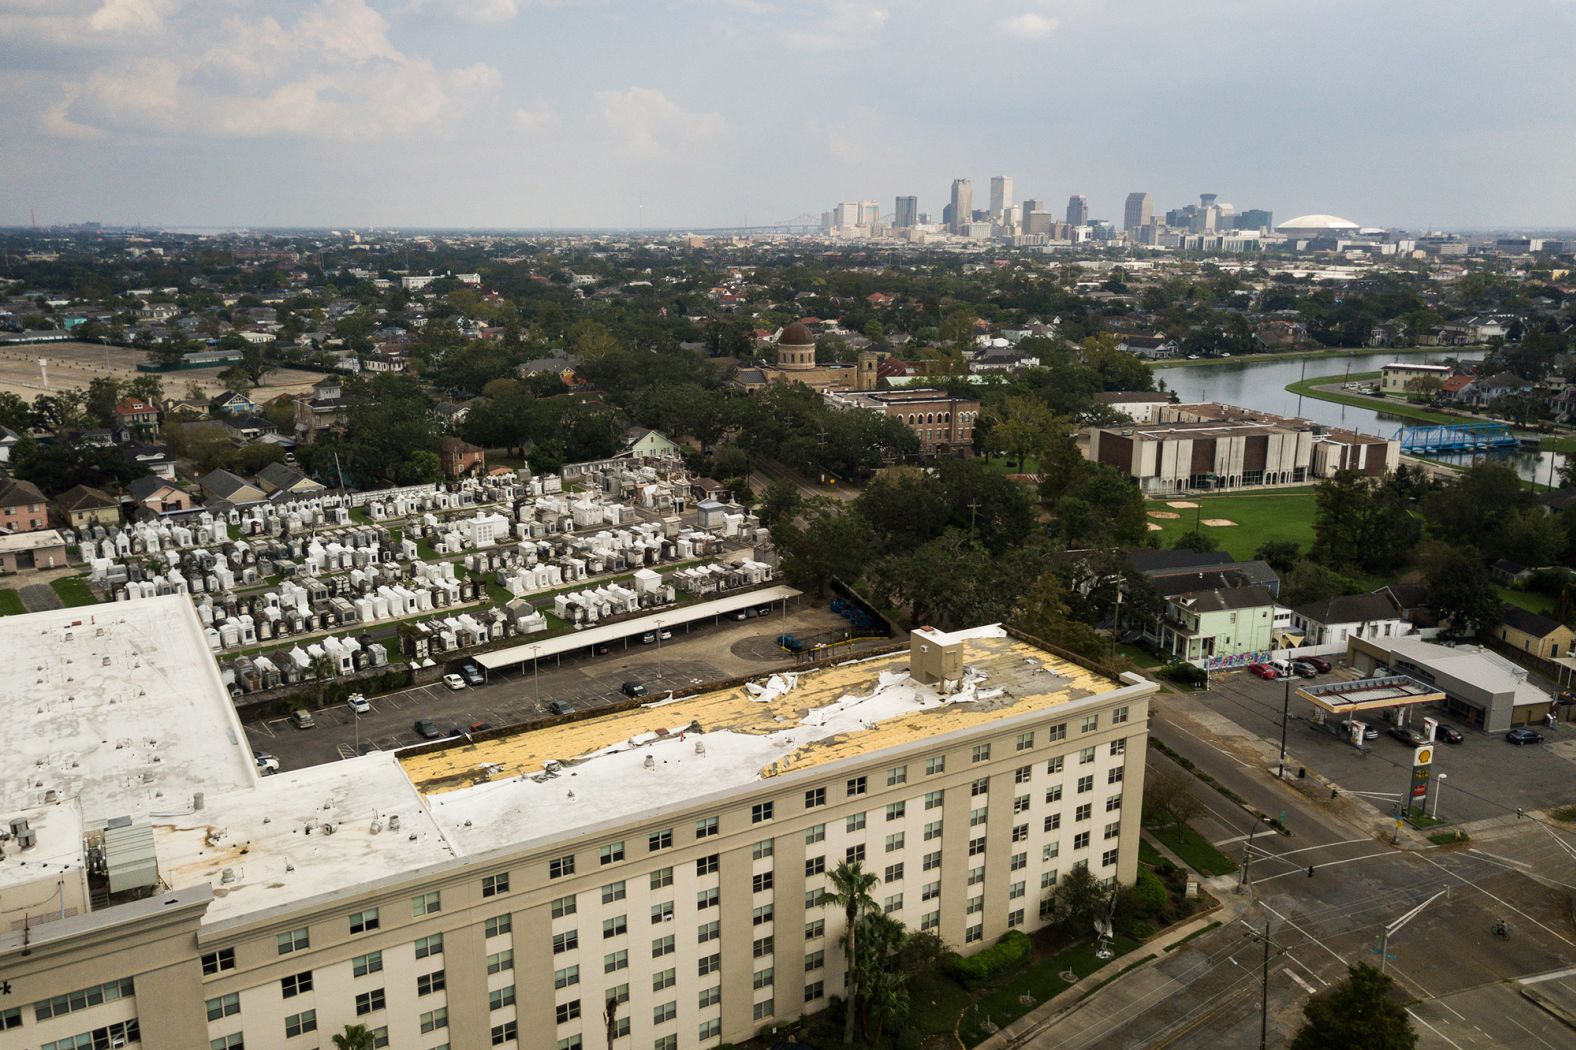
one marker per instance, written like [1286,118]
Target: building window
[981,753]
[815,797]
[1118,715]
[499,998]
[978,817]
[1113,829]
[763,1010]
[761,881]
[1114,776]
[569,975]
[566,1012]
[708,931]
[662,912]
[894,842]
[1081,840]
[499,962]
[1108,858]
[893,903]
[1015,918]
[711,1029]
[611,853]
[1051,851]
[1053,794]
[1053,822]
[973,933]
[760,812]
[762,946]
[933,799]
[761,850]
[1022,774]
[814,865]
[977,876]
[224,1042]
[573,1042]
[932,830]
[362,921]
[815,833]
[1020,861]
[929,891]
[567,941]
[666,1042]
[709,996]
[707,899]
[425,904]
[706,865]
[492,885]
[612,962]
[361,965]
[560,867]
[710,964]
[661,878]
[935,764]
[815,929]
[294,984]
[659,840]
[762,915]
[300,1024]
[897,775]
[224,1006]
[1085,756]
[977,846]
[763,978]
[1118,747]
[367,1002]
[855,822]
[931,861]
[662,946]
[507,1032]
[1056,732]
[896,810]
[563,906]
[1083,811]
[1020,804]
[855,854]
[427,983]
[432,944]
[856,786]
[1054,765]
[664,1012]
[929,921]
[706,827]
[663,979]
[979,787]
[218,961]
[1025,741]
[893,872]
[1113,803]
[1020,832]
[614,927]
[294,941]
[613,891]
[1085,784]
[1091,723]
[814,990]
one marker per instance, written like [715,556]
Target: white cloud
[1030,24]
[647,123]
[131,16]
[535,118]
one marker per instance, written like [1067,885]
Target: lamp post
[1285,710]
[1384,938]
[536,677]
[1437,791]
[659,649]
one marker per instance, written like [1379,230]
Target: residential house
[156,494]
[155,459]
[1219,628]
[1280,335]
[82,506]
[651,444]
[233,403]
[137,414]
[25,551]
[1486,390]
[322,409]
[451,413]
[1334,620]
[1150,347]
[461,457]
[9,439]
[1510,572]
[1411,601]
[231,488]
[1388,333]
[283,478]
[22,507]
[1528,632]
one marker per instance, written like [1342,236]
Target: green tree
[830,544]
[355,1037]
[1281,555]
[1460,589]
[1078,900]
[1363,1012]
[1018,428]
[1195,540]
[1532,536]
[850,887]
[102,396]
[780,502]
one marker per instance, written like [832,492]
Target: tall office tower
[1000,196]
[1255,219]
[906,212]
[1028,208]
[1077,210]
[869,214]
[962,204]
[1140,209]
[845,215]
[1204,221]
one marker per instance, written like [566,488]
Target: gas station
[1356,697]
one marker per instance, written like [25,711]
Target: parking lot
[703,654]
[1483,776]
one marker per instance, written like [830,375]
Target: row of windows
[706,827]
[121,1033]
[83,998]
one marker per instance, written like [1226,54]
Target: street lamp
[1285,710]
[659,649]
[1384,938]
[1437,791]
[536,677]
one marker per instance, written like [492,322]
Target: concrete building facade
[942,422]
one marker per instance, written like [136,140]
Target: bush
[1148,894]
[1185,674]
[1012,949]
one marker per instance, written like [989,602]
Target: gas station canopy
[1369,694]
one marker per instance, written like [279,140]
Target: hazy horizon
[558,115]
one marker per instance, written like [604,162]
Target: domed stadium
[1316,226]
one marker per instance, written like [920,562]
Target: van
[301,718]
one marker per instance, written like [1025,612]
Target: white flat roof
[613,632]
[119,706]
[58,831]
[31,541]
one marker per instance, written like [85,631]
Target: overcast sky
[694,113]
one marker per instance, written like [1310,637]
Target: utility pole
[974,507]
[1247,857]
[1264,993]
[1285,711]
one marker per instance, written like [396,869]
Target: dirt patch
[73,365]
[1164,515]
[1181,504]
[1219,523]
[1153,527]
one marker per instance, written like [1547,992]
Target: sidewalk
[1126,995]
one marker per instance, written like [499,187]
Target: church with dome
[796,364]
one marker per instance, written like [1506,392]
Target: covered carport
[1355,697]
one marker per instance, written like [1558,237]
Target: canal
[1262,385]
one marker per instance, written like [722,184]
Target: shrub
[1012,949]
[1185,674]
[1148,894]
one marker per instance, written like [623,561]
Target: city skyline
[424,113]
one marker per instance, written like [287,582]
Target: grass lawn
[1140,657]
[1009,465]
[1039,980]
[11,603]
[1147,854]
[73,591]
[1194,849]
[934,1006]
[1542,604]
[1276,514]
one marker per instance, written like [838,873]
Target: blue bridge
[1460,437]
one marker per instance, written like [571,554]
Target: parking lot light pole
[1437,791]
[659,649]
[536,676]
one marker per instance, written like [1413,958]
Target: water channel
[1262,385]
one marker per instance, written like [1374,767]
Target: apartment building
[670,858]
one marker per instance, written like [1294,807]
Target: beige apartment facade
[700,916]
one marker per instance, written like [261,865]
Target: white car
[454,681]
[358,704]
[266,764]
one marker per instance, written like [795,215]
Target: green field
[1274,514]
[1194,849]
[73,591]
[1542,604]
[11,603]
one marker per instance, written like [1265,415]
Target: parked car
[358,703]
[1521,735]
[633,689]
[599,649]
[366,747]
[301,718]
[666,634]
[648,637]
[738,614]
[1298,668]
[764,610]
[480,727]
[454,681]
[426,729]
[266,763]
[1408,735]
[561,707]
[1448,733]
[1369,732]
[1264,671]
[472,673]
[1318,663]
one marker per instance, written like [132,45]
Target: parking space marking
[1294,975]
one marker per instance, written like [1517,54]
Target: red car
[1318,663]
[1264,671]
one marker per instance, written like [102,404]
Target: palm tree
[851,886]
[355,1037]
